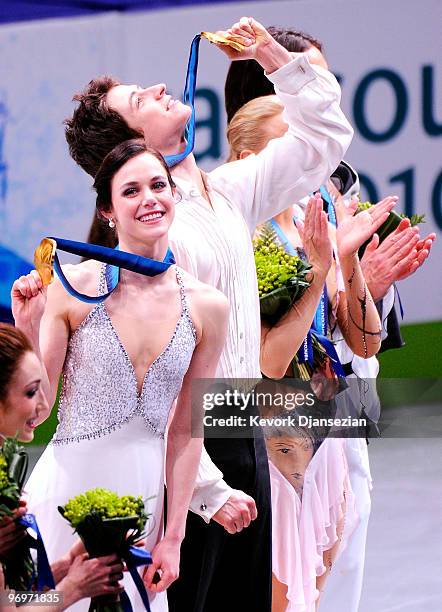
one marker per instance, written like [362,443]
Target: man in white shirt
[211,238]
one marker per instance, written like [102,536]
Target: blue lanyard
[188,98]
[330,206]
[285,242]
[115,258]
[319,323]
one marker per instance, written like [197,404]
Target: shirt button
[241,336]
[241,360]
[203,507]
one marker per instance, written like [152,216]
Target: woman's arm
[357,314]
[281,342]
[211,308]
[39,312]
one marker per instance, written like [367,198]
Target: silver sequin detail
[99,392]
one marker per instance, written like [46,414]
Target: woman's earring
[111,223]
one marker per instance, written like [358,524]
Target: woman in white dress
[123,364]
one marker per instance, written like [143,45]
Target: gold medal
[217,39]
[44,259]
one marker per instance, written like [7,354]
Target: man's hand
[237,513]
[399,256]
[423,248]
[259,45]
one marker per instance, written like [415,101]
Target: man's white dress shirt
[214,242]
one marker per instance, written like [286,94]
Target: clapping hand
[315,237]
[396,258]
[353,231]
[423,248]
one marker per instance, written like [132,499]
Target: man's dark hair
[94,129]
[246,80]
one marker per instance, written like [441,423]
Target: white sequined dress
[108,435]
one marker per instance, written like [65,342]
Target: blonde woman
[300,562]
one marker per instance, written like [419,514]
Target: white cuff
[208,499]
[292,77]
[210,492]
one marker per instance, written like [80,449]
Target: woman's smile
[152,217]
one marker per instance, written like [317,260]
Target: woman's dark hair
[246,80]
[115,160]
[13,345]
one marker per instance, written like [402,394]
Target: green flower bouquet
[282,278]
[389,225]
[107,524]
[18,565]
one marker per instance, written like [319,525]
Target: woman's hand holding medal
[28,298]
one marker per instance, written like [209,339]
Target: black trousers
[229,572]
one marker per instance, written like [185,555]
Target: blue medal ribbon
[331,352]
[115,258]
[188,98]
[44,573]
[330,205]
[319,323]
[136,557]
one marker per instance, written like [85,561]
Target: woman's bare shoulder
[84,277]
[209,308]
[202,294]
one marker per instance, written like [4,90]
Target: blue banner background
[16,10]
